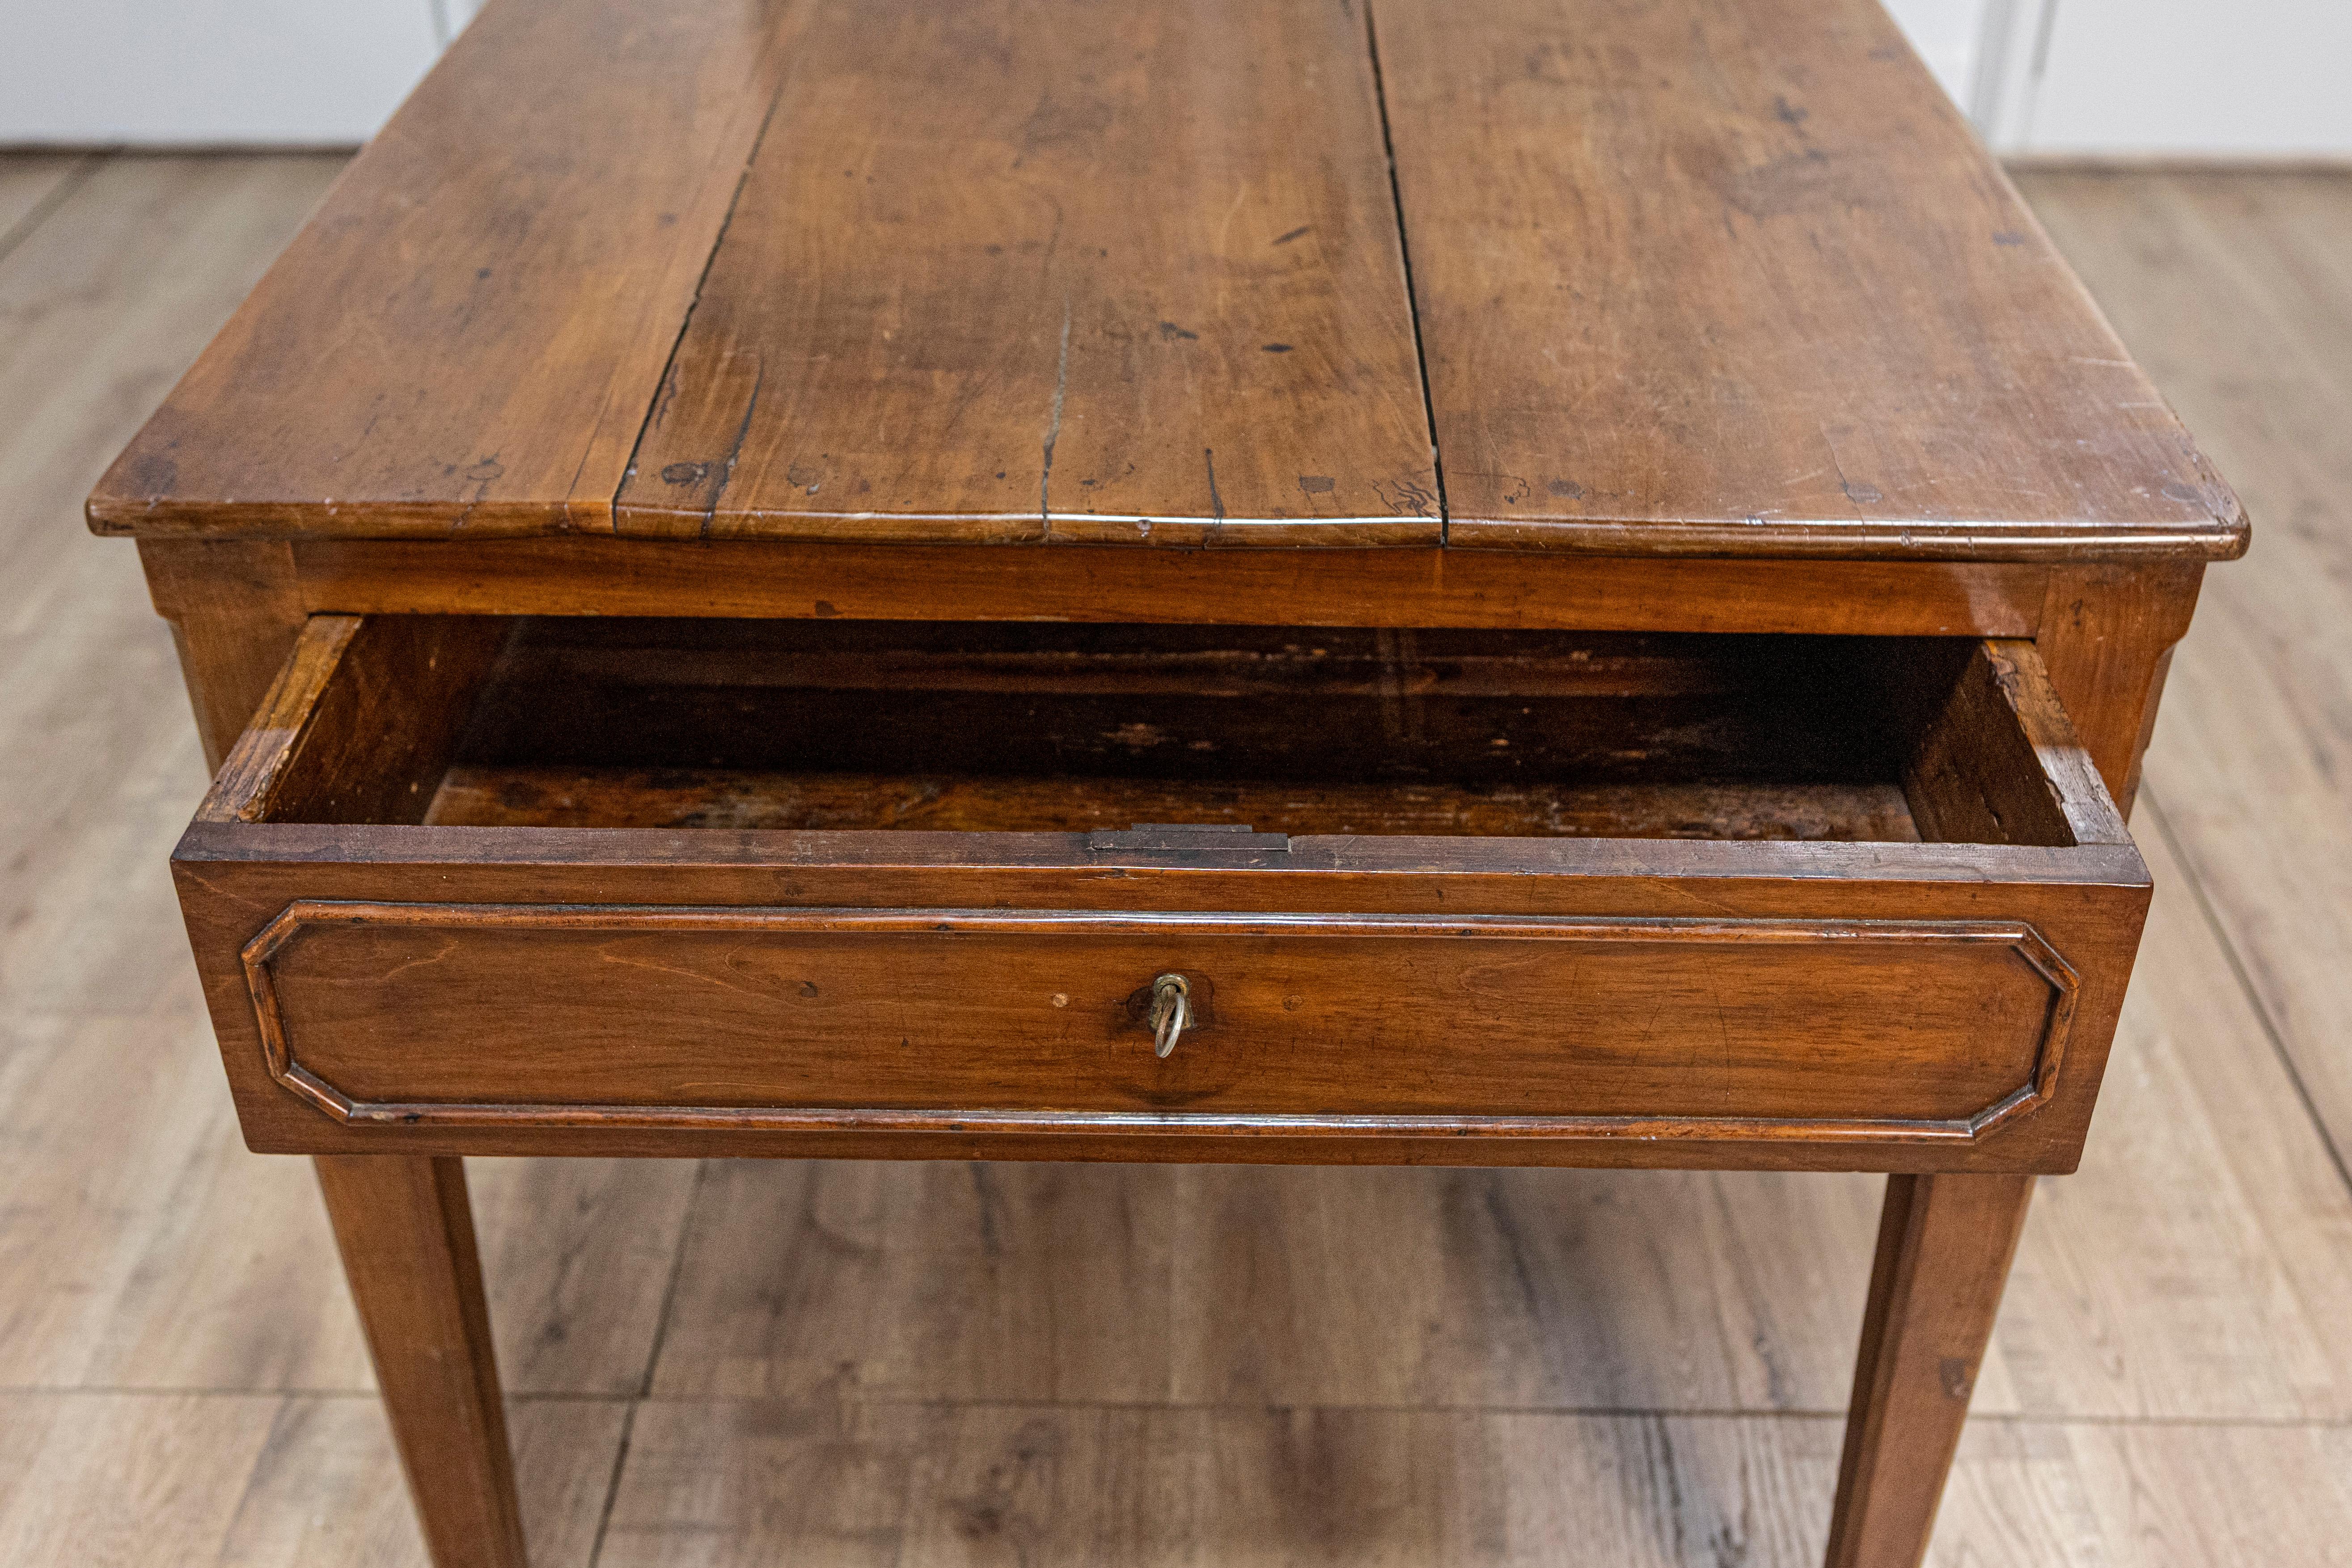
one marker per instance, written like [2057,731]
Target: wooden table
[1636,574]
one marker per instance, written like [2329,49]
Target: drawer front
[554,1017]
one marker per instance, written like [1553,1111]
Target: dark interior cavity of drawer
[1061,728]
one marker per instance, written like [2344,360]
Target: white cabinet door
[209,71]
[2195,78]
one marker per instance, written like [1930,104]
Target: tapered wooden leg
[1944,1246]
[407,1233]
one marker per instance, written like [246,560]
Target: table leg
[1944,1246]
[406,1234]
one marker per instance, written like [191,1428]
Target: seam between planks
[613,1483]
[1411,295]
[701,280]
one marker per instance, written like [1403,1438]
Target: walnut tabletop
[1619,278]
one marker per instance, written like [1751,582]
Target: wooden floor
[918,1365]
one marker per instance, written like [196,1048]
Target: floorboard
[30,183]
[2236,292]
[250,1481]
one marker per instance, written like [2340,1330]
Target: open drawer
[480,886]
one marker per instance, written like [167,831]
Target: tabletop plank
[467,335]
[1733,278]
[1727,280]
[1076,269]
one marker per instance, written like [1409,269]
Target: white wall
[2196,78]
[213,71]
[2181,77]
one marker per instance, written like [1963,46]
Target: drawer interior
[1001,727]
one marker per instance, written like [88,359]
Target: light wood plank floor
[910,1364]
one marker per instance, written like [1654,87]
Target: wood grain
[781,725]
[1251,1285]
[1766,297]
[1997,761]
[841,580]
[2163,1493]
[2106,639]
[2177,1293]
[578,1256]
[1740,280]
[361,724]
[2084,900]
[65,1462]
[469,334]
[486,796]
[410,1015]
[112,1271]
[407,1014]
[236,612]
[901,1485]
[2185,1274]
[146,1250]
[107,298]
[1122,271]
[256,1480]
[157,1254]
[863,1485]
[1264,715]
[406,1235]
[2168,1240]
[1944,1249]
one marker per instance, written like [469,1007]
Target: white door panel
[2196,78]
[207,71]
